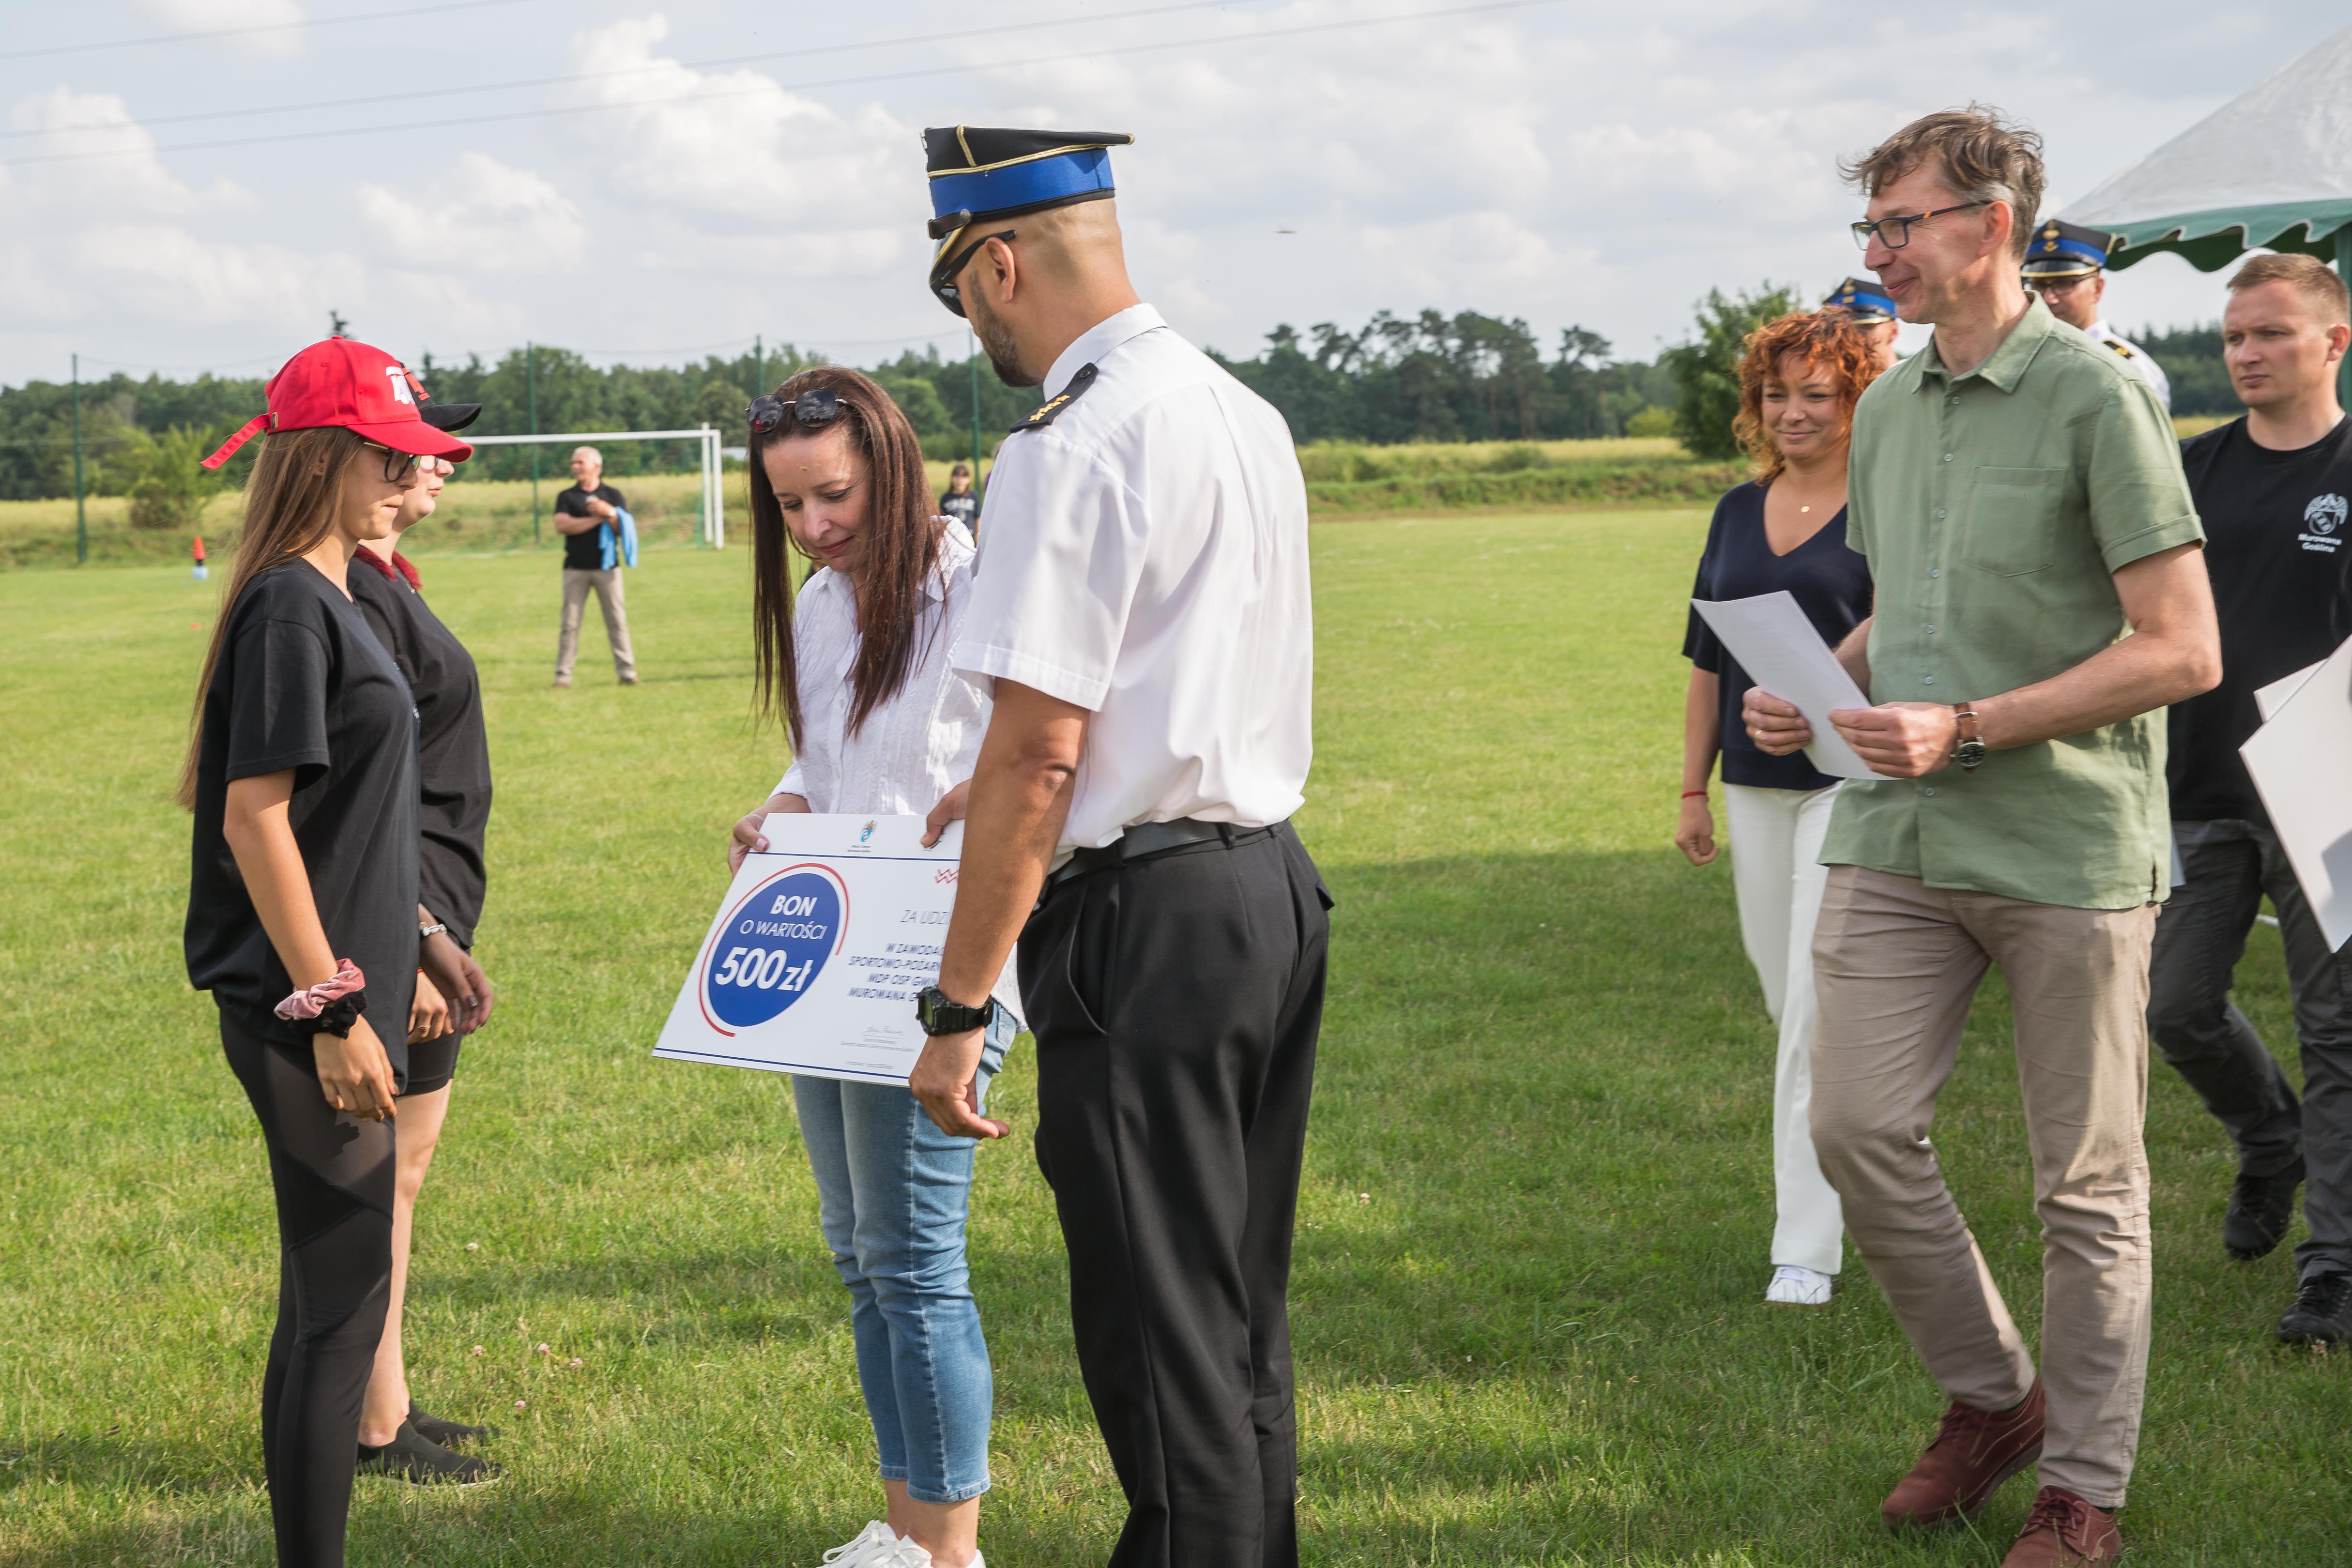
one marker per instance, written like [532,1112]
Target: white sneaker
[1793,1286]
[866,1548]
[904,1554]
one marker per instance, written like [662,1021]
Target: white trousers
[1776,870]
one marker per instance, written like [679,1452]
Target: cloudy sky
[644,181]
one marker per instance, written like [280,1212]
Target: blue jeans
[892,1192]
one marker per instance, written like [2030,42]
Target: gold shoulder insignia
[2120,347]
[1049,411]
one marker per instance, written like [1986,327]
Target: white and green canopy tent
[2270,170]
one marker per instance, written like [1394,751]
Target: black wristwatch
[937,1015]
[1971,751]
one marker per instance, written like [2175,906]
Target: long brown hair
[289,505]
[1826,341]
[902,551]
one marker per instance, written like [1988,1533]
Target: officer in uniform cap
[2066,264]
[1872,310]
[1140,604]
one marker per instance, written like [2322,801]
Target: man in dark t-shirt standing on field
[2272,488]
[582,513]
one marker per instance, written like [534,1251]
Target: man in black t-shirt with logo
[581,514]
[2273,489]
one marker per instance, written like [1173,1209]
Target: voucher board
[812,962]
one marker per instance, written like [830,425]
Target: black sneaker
[448,1433]
[2261,1208]
[2322,1313]
[412,1458]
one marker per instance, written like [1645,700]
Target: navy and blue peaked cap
[2060,249]
[1867,302]
[979,173]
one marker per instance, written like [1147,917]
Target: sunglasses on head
[812,410]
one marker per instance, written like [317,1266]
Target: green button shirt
[1994,509]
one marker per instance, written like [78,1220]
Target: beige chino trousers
[577,584]
[1896,964]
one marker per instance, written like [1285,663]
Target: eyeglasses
[943,277]
[812,410]
[1895,233]
[398,466]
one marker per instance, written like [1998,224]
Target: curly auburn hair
[1825,339]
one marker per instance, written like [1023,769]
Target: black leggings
[333,1178]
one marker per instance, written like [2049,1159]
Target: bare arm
[1020,795]
[565,523]
[1853,652]
[354,1075]
[2173,653]
[1702,740]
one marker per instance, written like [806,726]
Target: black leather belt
[1143,840]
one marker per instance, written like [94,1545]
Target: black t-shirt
[2275,533]
[1831,585]
[302,683]
[963,508]
[453,748]
[580,550]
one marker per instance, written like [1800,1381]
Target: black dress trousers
[1175,1002]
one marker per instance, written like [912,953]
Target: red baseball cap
[360,388]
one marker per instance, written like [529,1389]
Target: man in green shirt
[2020,497]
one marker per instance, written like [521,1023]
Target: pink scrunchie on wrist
[310,1003]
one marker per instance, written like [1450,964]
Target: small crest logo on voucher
[866,832]
[2326,514]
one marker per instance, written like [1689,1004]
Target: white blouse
[913,748]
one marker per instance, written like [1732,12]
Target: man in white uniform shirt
[1140,603]
[2066,264]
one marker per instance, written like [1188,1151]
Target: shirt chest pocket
[2012,520]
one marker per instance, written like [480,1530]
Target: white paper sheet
[2300,760]
[2269,699]
[813,961]
[1779,648]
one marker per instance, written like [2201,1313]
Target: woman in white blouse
[857,668]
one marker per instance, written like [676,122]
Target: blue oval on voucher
[774,947]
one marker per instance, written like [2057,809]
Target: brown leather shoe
[1972,1453]
[2064,1531]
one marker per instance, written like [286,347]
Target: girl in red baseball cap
[301,772]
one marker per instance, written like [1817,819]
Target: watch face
[1971,753]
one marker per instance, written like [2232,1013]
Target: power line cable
[767,85]
[526,82]
[252,29]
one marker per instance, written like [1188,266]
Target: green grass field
[1532,1237]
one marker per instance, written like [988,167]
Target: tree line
[1428,377]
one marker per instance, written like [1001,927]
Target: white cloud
[1571,164]
[215,16]
[737,145]
[94,154]
[163,272]
[480,217]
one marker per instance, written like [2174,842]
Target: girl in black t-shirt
[303,891]
[454,996]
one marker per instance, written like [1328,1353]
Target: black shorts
[433,1063]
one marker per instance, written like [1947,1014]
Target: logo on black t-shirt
[2322,518]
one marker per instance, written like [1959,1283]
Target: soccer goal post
[714,519]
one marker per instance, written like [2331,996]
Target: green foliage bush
[1707,371]
[174,485]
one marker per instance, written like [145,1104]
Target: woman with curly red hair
[1799,381]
